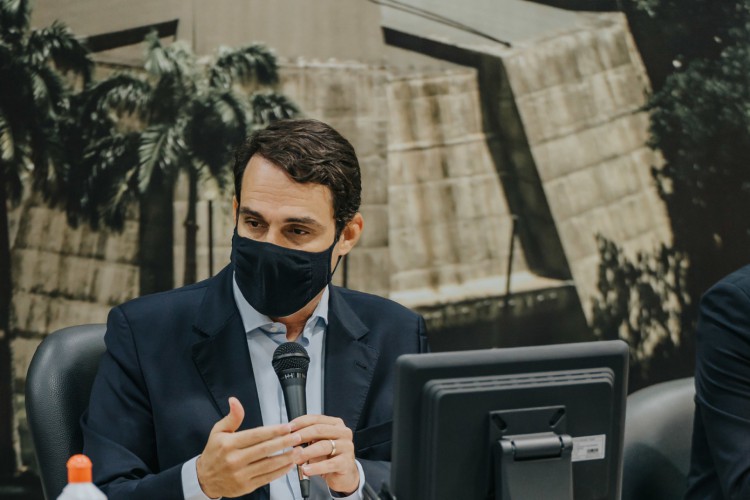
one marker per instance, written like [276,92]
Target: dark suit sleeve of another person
[118,426]
[721,442]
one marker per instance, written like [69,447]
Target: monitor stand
[531,454]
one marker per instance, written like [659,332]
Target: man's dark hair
[309,151]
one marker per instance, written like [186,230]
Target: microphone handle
[295,399]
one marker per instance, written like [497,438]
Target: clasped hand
[235,463]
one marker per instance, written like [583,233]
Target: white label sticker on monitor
[588,448]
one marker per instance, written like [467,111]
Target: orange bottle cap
[79,469]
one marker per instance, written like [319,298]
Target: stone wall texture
[450,225]
[580,97]
[62,277]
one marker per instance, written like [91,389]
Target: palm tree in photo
[141,131]
[37,70]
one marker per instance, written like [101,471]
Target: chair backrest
[58,386]
[658,434]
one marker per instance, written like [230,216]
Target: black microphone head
[290,356]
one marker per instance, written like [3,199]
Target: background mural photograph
[533,172]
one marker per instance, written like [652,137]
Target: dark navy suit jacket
[720,461]
[174,358]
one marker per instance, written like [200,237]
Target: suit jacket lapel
[221,355]
[349,362]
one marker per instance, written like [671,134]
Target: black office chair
[658,434]
[58,386]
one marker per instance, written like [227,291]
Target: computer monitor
[543,422]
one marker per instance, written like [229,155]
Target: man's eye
[254,223]
[299,232]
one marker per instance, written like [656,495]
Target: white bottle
[79,485]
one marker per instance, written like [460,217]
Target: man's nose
[274,236]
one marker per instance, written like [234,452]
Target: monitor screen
[529,422]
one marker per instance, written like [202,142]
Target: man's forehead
[268,187]
[259,169]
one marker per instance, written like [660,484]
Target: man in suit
[186,403]
[720,457]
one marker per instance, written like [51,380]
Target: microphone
[290,362]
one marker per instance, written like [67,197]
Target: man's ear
[235,205]
[351,234]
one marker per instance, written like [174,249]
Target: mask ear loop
[338,261]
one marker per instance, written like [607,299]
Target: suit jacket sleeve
[378,472]
[118,427]
[723,384]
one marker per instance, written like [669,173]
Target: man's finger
[335,464]
[252,437]
[269,465]
[265,478]
[267,448]
[307,420]
[232,421]
[320,450]
[319,432]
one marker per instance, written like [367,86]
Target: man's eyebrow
[296,220]
[304,220]
[250,211]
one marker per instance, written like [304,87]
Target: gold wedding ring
[333,448]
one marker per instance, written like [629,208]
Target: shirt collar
[252,319]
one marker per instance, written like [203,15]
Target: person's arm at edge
[723,384]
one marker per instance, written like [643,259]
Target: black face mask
[279,281]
